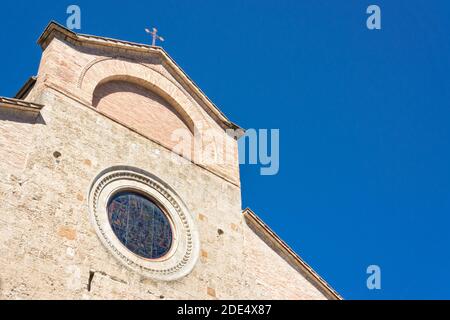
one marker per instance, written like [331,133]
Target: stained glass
[140,225]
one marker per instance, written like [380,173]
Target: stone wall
[270,272]
[48,246]
[15,138]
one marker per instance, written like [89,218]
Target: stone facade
[49,159]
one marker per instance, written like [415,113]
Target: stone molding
[184,253]
[19,104]
[274,242]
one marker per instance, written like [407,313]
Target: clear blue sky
[363,116]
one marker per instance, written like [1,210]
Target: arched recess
[201,149]
[103,70]
[152,93]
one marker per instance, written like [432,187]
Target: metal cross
[155,36]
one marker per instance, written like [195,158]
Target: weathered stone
[48,246]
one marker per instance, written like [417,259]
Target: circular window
[143,223]
[140,225]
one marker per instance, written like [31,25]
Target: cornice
[285,251]
[21,105]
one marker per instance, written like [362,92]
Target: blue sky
[363,117]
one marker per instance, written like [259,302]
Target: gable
[117,48]
[80,66]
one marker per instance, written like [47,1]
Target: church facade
[98,199]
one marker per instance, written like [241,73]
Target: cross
[155,36]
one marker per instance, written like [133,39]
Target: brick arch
[143,89]
[103,70]
[141,110]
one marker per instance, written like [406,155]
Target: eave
[26,88]
[256,224]
[21,105]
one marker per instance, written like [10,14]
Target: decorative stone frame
[183,255]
